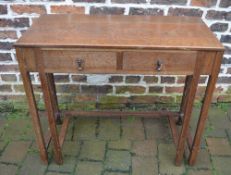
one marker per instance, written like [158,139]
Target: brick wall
[17,15]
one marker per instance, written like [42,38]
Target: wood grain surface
[150,32]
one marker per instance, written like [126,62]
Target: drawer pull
[159,65]
[80,64]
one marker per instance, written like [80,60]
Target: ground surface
[128,146]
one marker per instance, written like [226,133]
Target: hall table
[146,45]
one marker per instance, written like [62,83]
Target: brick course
[16,16]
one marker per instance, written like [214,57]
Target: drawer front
[160,61]
[77,61]
[126,62]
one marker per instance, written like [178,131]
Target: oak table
[70,43]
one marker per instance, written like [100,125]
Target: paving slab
[115,173]
[68,165]
[109,129]
[89,168]
[219,122]
[229,134]
[32,165]
[85,128]
[2,125]
[70,132]
[199,172]
[144,148]
[144,166]
[55,173]
[218,146]
[71,148]
[166,156]
[8,169]
[222,165]
[218,117]
[93,150]
[2,145]
[118,160]
[157,129]
[122,144]
[19,128]
[203,160]
[132,129]
[15,151]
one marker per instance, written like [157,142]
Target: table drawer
[77,61]
[129,62]
[160,61]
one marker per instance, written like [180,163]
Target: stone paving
[128,146]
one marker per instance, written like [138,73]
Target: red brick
[169,80]
[8,34]
[107,10]
[225,38]
[61,78]
[5,88]
[20,88]
[181,80]
[90,1]
[9,77]
[150,79]
[170,89]
[67,88]
[151,99]
[128,1]
[229,70]
[16,22]
[166,99]
[155,89]
[19,98]
[169,2]
[28,9]
[219,27]
[5,57]
[225,3]
[146,11]
[79,78]
[132,79]
[67,9]
[204,3]
[184,12]
[3,9]
[9,68]
[225,80]
[116,79]
[84,98]
[96,89]
[227,51]
[218,15]
[130,89]
[6,45]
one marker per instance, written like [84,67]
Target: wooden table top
[120,32]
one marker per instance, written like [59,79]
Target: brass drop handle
[159,65]
[80,64]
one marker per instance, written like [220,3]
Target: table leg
[184,98]
[49,102]
[55,100]
[32,106]
[204,110]
[188,110]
